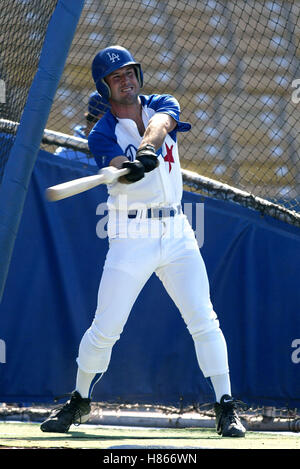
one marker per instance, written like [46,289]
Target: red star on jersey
[169,157]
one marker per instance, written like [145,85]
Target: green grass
[29,435]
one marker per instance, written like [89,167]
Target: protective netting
[23,25]
[232,65]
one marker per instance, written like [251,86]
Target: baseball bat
[76,186]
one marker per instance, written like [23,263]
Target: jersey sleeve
[167,104]
[103,144]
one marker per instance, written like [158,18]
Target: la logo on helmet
[113,56]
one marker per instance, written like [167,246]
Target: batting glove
[137,172]
[148,157]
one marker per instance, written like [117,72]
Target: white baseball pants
[137,249]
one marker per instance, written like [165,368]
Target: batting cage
[234,67]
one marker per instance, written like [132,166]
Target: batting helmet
[107,61]
[97,107]
[96,104]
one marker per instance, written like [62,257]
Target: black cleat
[76,411]
[227,420]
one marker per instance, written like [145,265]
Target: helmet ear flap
[139,74]
[106,87]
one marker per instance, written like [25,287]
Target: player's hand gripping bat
[76,186]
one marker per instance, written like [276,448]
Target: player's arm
[158,128]
[146,158]
[156,131]
[118,161]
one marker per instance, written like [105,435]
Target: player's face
[123,85]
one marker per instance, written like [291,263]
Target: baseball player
[147,233]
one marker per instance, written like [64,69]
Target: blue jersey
[113,136]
